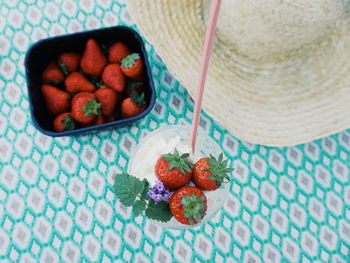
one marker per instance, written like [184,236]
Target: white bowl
[153,145]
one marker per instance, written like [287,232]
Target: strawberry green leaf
[92,107]
[68,123]
[138,99]
[63,67]
[158,211]
[177,161]
[219,171]
[127,188]
[138,207]
[130,60]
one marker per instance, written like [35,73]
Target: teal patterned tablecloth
[287,204]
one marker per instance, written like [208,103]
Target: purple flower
[159,193]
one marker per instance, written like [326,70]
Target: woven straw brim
[281,101]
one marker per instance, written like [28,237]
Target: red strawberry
[69,62]
[117,52]
[133,105]
[52,73]
[77,82]
[64,122]
[174,170]
[209,173]
[85,107]
[111,118]
[132,67]
[113,77]
[108,99]
[57,101]
[93,61]
[133,86]
[188,205]
[100,120]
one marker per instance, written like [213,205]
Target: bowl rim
[104,125]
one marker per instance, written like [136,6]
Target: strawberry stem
[92,107]
[178,161]
[130,60]
[138,99]
[194,208]
[218,170]
[68,123]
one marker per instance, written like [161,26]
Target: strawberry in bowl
[164,161]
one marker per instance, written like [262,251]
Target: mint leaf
[144,194]
[138,207]
[127,188]
[158,211]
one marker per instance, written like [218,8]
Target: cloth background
[288,204]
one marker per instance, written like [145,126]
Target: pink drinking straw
[208,44]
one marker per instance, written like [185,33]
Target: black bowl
[43,51]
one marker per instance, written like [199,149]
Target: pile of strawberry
[98,86]
[172,196]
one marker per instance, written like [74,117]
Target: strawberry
[133,86]
[133,105]
[76,82]
[174,170]
[97,121]
[52,73]
[57,101]
[108,99]
[188,205]
[85,107]
[117,52]
[209,173]
[100,120]
[69,62]
[113,77]
[64,122]
[132,67]
[111,118]
[93,61]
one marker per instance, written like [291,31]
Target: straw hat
[279,73]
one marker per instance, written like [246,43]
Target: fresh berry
[174,170]
[108,99]
[117,52]
[133,105]
[100,120]
[85,107]
[64,122]
[210,173]
[76,82]
[132,67]
[69,62]
[93,61]
[188,205]
[52,73]
[111,118]
[133,86]
[113,77]
[57,101]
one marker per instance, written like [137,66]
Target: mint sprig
[132,191]
[158,211]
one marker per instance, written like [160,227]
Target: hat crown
[274,27]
